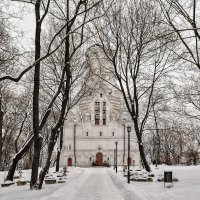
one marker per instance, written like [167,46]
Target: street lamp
[114,165]
[128,175]
[75,125]
[116,143]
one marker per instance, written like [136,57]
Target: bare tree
[181,16]
[37,137]
[131,38]
[1,128]
[36,90]
[8,57]
[72,73]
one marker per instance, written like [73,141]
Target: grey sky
[25,24]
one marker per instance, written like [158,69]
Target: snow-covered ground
[105,184]
[188,186]
[82,184]
[24,193]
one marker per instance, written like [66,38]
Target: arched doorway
[129,160]
[69,161]
[99,159]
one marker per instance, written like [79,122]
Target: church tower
[98,121]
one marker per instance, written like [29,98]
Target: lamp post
[75,144]
[114,165]
[116,143]
[128,175]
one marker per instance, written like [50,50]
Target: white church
[98,122]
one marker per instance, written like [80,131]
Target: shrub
[94,163]
[106,164]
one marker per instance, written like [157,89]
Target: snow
[105,184]
[24,193]
[93,183]
[186,188]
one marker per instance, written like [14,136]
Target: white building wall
[88,146]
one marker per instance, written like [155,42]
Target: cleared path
[98,185]
[91,184]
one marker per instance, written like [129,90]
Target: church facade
[95,131]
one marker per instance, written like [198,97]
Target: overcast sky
[24,24]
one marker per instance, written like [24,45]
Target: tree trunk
[36,89]
[20,132]
[59,150]
[51,145]
[53,136]
[12,168]
[35,163]
[157,139]
[58,161]
[141,147]
[143,158]
[1,129]
[19,156]
[30,158]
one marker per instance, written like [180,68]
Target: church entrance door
[99,159]
[129,160]
[69,161]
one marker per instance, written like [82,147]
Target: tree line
[153,48]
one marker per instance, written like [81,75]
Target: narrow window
[100,133]
[70,147]
[96,103]
[90,158]
[97,112]
[113,133]
[86,133]
[104,113]
[108,158]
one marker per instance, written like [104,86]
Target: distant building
[98,121]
